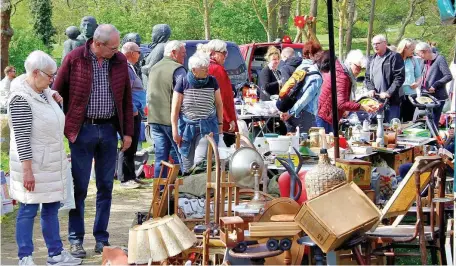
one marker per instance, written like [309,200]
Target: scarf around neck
[196,83]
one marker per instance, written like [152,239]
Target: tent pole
[332,63]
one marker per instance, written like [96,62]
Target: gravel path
[125,204]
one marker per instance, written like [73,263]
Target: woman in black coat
[270,78]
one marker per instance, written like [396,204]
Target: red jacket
[74,83]
[229,111]
[343,84]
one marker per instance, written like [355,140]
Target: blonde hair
[272,50]
[404,44]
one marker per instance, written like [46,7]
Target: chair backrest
[405,194]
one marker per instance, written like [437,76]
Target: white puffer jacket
[49,163]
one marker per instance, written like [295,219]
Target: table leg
[287,260]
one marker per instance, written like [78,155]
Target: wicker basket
[323,176]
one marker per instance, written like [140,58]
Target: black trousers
[128,165]
[407,110]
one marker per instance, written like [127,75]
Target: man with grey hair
[385,74]
[436,74]
[163,77]
[94,82]
[132,53]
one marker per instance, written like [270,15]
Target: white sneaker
[64,258]
[27,261]
[129,184]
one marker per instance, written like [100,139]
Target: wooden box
[401,158]
[418,151]
[358,171]
[333,217]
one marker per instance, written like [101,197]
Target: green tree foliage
[231,20]
[41,10]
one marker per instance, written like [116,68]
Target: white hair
[172,46]
[380,38]
[39,60]
[104,32]
[287,52]
[202,48]
[422,46]
[216,46]
[355,57]
[199,59]
[129,47]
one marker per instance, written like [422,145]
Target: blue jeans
[97,142]
[49,226]
[394,111]
[322,123]
[164,146]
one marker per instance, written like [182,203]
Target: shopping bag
[68,203]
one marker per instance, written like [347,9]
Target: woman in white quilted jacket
[38,163]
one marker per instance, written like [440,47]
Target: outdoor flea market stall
[291,199]
[306,197]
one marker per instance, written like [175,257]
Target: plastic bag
[68,203]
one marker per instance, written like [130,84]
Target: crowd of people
[99,94]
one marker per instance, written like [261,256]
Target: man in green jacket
[162,78]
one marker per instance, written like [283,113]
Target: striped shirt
[21,118]
[101,102]
[198,103]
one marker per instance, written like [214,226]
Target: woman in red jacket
[346,86]
[218,53]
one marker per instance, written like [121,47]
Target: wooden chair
[425,170]
[159,206]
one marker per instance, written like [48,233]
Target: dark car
[234,64]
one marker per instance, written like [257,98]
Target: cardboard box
[358,171]
[331,218]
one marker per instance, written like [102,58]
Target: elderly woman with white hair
[38,164]
[346,74]
[197,108]
[436,74]
[218,52]
[413,74]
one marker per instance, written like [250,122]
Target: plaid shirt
[101,103]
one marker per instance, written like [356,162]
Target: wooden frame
[159,206]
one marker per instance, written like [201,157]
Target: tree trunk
[408,19]
[342,19]
[371,27]
[271,11]
[6,33]
[314,13]
[284,16]
[351,19]
[207,23]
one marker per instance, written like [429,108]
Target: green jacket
[160,91]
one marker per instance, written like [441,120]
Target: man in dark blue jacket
[385,74]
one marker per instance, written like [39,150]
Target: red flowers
[299,21]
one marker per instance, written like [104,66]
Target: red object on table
[343,142]
[284,186]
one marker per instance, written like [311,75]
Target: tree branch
[257,12]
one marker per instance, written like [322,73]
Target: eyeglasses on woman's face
[50,76]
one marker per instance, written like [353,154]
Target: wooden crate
[358,171]
[401,158]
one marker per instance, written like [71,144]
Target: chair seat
[401,232]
